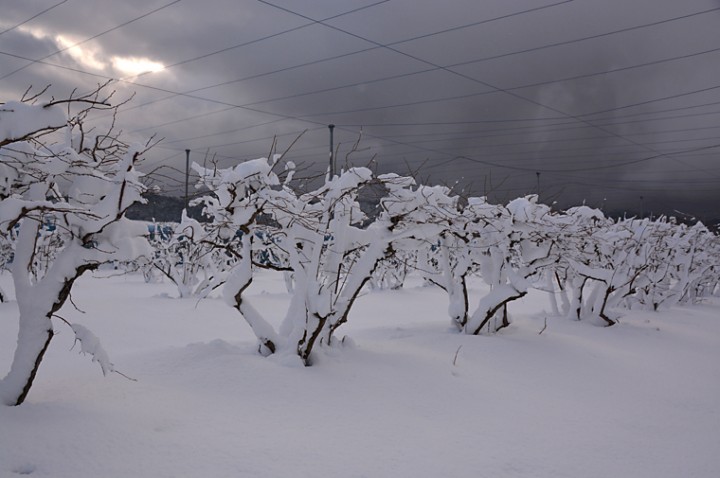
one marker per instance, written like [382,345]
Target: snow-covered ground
[405,396]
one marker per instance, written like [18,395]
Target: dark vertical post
[331,168]
[538,185]
[187,175]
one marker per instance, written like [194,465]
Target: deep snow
[404,396]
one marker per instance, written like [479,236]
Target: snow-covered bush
[511,247]
[323,238]
[187,259]
[516,247]
[391,272]
[607,265]
[52,167]
[685,268]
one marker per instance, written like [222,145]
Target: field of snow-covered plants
[294,333]
[404,395]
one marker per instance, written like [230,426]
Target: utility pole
[187,176]
[331,167]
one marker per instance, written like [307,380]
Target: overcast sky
[611,102]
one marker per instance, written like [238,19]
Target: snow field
[635,400]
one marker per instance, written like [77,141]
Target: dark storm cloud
[611,102]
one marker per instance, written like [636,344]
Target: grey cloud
[430,103]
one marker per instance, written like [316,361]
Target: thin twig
[457,352]
[544,327]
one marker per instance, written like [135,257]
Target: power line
[413,73]
[334,57]
[514,156]
[666,110]
[535,169]
[470,95]
[376,47]
[527,85]
[396,143]
[505,132]
[124,24]
[465,148]
[236,130]
[437,67]
[502,133]
[553,118]
[267,37]
[187,93]
[644,181]
[486,84]
[588,168]
[423,36]
[583,39]
[634,189]
[155,88]
[32,18]
[182,120]
[654,100]
[465,63]
[234,47]
[289,117]
[266,138]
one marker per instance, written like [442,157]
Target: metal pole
[331,167]
[187,175]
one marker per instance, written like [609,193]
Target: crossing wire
[261,39]
[153,88]
[43,12]
[596,112]
[117,27]
[584,76]
[514,88]
[464,63]
[486,84]
[443,31]
[334,57]
[595,36]
[482,93]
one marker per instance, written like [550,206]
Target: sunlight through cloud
[136,66]
[83,55]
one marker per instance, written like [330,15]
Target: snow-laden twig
[90,345]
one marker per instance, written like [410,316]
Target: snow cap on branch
[18,120]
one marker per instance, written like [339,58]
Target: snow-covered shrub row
[633,263]
[55,169]
[590,265]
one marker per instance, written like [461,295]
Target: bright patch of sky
[135,66]
[92,56]
[87,56]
